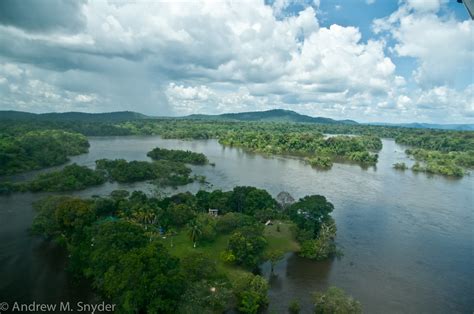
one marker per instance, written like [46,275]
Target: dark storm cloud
[42,16]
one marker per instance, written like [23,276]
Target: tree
[208,227]
[310,212]
[109,240]
[144,216]
[323,246]
[251,292]
[248,199]
[274,256]
[247,246]
[63,218]
[335,301]
[145,280]
[197,266]
[119,194]
[294,307]
[177,215]
[194,231]
[207,297]
[232,221]
[284,199]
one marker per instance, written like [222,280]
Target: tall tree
[194,231]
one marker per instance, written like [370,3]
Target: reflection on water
[407,238]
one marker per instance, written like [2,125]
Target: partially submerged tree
[285,199]
[335,301]
[274,256]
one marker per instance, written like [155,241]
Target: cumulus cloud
[178,58]
[442,46]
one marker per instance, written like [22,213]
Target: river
[407,238]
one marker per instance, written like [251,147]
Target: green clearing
[282,240]
[180,245]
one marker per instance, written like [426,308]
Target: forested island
[178,156]
[170,255]
[74,177]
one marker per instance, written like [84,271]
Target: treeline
[70,178]
[270,137]
[38,149]
[122,244]
[442,152]
[187,156]
[162,172]
[74,177]
[320,151]
[443,141]
[96,128]
[435,162]
[452,164]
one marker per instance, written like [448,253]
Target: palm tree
[144,216]
[169,234]
[195,231]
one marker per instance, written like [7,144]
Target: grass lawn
[277,240]
[282,240]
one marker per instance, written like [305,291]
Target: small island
[176,155]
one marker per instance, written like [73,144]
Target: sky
[367,60]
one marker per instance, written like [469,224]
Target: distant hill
[416,125]
[275,115]
[72,116]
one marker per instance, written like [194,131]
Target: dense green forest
[74,177]
[31,150]
[168,255]
[70,178]
[447,163]
[308,144]
[163,172]
[269,137]
[187,157]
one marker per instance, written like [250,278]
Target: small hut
[213,212]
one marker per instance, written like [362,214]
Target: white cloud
[442,46]
[425,5]
[26,91]
[212,57]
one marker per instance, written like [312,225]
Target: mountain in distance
[274,115]
[416,125]
[72,116]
